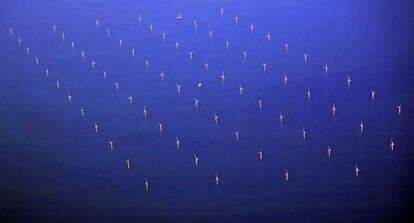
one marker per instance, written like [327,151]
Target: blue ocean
[287,126]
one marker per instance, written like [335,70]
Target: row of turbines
[205,67]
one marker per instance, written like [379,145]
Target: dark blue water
[55,168]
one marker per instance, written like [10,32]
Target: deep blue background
[54,167]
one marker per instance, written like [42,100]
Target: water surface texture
[54,166]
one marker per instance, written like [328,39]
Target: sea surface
[54,167]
